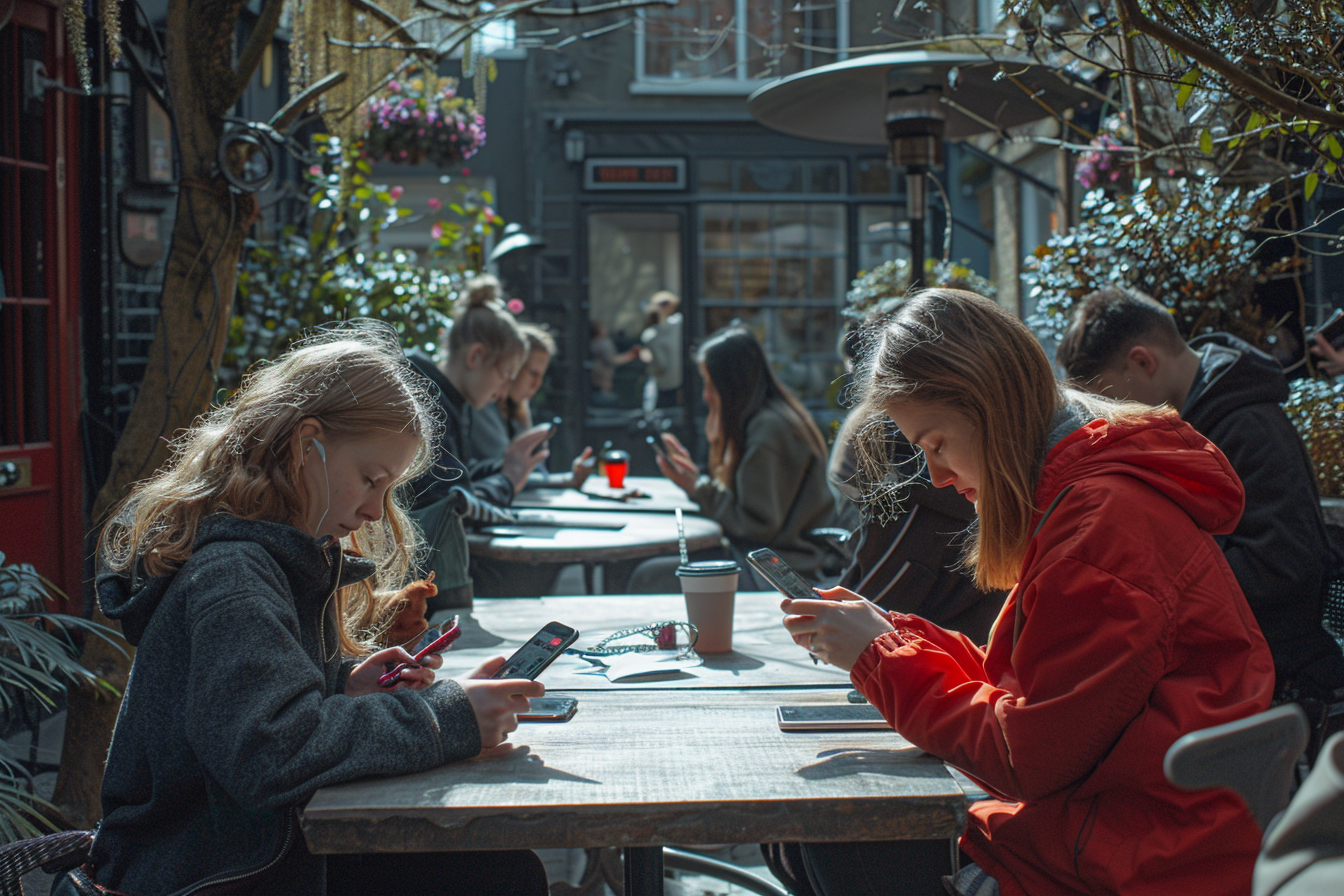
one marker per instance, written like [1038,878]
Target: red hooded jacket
[1131,632]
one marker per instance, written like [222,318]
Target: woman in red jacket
[1124,630]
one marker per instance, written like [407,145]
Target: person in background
[484,350]
[662,349]
[766,483]
[498,424]
[603,360]
[244,573]
[1125,345]
[1330,360]
[1124,630]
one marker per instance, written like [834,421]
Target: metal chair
[1255,757]
[53,853]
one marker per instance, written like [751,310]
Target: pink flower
[436,231]
[435,203]
[515,306]
[315,170]
[466,172]
[396,192]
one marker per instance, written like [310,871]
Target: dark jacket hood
[308,565]
[1233,374]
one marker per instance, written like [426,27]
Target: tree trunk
[195,307]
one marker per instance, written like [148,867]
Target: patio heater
[911,102]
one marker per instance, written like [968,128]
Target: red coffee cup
[617,464]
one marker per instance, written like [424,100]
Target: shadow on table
[733,662]
[841,762]
[518,764]
[473,635]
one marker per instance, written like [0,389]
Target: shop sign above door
[634,174]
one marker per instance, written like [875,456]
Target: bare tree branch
[290,111]
[263,34]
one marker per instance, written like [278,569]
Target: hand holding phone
[445,640]
[656,444]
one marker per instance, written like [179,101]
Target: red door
[40,487]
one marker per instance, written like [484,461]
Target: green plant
[332,266]
[39,660]
[880,291]
[1186,243]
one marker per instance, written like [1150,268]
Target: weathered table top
[763,655]
[641,535]
[664,496]
[648,768]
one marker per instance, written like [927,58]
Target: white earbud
[322,453]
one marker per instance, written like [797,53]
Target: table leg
[588,578]
[643,871]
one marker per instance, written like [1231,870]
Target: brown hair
[238,459]
[483,318]
[1109,322]
[963,352]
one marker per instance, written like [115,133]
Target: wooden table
[644,769]
[641,535]
[763,655]
[664,496]
[641,766]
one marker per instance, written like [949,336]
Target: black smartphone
[781,575]
[1332,330]
[656,443]
[532,658]
[549,709]
[839,717]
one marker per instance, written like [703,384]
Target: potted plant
[39,660]
[422,119]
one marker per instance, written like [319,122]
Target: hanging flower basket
[423,119]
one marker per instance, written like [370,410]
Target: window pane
[753,319]
[35,394]
[755,274]
[32,211]
[717,279]
[11,376]
[715,175]
[631,255]
[716,227]
[791,278]
[753,227]
[690,40]
[828,229]
[804,349]
[771,176]
[828,177]
[9,281]
[873,176]
[883,235]
[789,232]
[32,131]
[826,278]
[779,34]
[9,93]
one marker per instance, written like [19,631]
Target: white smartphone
[837,717]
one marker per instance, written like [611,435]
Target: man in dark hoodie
[1125,345]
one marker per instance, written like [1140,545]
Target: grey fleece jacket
[234,713]
[779,492]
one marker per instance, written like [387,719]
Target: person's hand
[497,703]
[583,466]
[646,355]
[837,627]
[522,456]
[678,467]
[364,677]
[1331,358]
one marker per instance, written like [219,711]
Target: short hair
[1106,324]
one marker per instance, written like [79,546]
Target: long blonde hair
[239,459]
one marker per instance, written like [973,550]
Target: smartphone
[656,443]
[838,717]
[781,575]
[549,709]
[532,658]
[435,640]
[1332,330]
